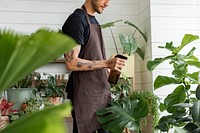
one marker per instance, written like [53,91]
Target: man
[88,87]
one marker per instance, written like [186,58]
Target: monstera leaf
[22,54]
[124,114]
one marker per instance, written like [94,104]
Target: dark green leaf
[190,127]
[196,111]
[140,53]
[177,96]
[162,81]
[125,113]
[198,92]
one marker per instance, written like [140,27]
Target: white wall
[28,15]
[170,20]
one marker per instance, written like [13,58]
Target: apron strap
[86,14]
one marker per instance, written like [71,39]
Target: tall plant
[129,42]
[182,106]
[20,55]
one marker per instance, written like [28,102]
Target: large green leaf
[129,43]
[177,96]
[131,24]
[198,92]
[124,114]
[196,111]
[194,63]
[109,24]
[151,65]
[50,120]
[188,38]
[22,54]
[162,81]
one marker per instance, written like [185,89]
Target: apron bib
[90,90]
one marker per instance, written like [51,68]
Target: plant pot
[55,100]
[17,96]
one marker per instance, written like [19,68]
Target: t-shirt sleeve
[74,27]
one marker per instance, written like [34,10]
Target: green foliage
[123,114]
[182,107]
[128,109]
[122,89]
[50,87]
[129,43]
[20,55]
[35,104]
[50,120]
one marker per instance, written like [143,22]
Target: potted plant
[22,90]
[50,88]
[20,55]
[128,110]
[182,106]
[129,44]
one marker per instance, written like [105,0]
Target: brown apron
[91,91]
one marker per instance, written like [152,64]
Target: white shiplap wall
[170,20]
[29,15]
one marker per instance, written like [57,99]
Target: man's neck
[89,9]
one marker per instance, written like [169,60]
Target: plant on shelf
[129,42]
[22,89]
[182,106]
[128,110]
[51,89]
[20,55]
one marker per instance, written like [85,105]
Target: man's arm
[74,63]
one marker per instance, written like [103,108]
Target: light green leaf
[50,120]
[188,38]
[162,81]
[131,24]
[109,24]
[22,54]
[194,63]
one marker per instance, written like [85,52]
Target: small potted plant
[51,89]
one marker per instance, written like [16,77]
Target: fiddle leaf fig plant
[182,107]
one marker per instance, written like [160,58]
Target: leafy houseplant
[22,90]
[182,106]
[129,42]
[128,109]
[51,89]
[17,54]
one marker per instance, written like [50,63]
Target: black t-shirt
[77,26]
